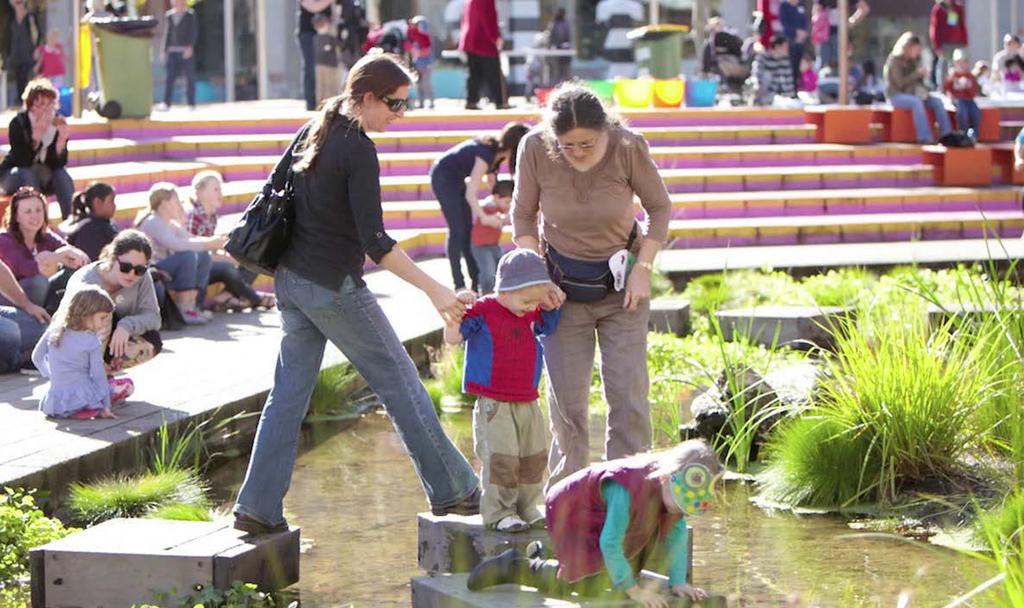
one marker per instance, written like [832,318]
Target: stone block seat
[960,166]
[840,124]
[1003,162]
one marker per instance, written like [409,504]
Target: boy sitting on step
[503,363]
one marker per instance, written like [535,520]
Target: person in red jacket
[962,87]
[480,40]
[947,31]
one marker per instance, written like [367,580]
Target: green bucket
[604,89]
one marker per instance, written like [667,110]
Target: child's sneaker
[120,389]
[511,523]
[192,317]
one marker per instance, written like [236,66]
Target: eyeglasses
[127,267]
[585,146]
[396,104]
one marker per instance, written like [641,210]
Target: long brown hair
[84,304]
[125,241]
[25,193]
[508,140]
[379,73]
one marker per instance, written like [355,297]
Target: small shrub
[23,526]
[239,595]
[894,408]
[1002,530]
[743,289]
[843,287]
[135,496]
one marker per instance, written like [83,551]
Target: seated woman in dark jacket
[39,147]
[91,227]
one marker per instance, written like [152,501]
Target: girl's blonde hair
[83,305]
[201,180]
[159,193]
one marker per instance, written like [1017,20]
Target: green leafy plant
[23,526]
[843,287]
[445,388]
[239,595]
[135,496]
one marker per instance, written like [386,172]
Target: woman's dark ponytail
[81,205]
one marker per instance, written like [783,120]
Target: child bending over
[503,363]
[609,520]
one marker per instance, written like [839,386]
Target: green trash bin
[659,49]
[124,67]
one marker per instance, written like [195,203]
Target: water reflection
[356,497]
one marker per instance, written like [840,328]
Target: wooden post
[997,40]
[261,49]
[76,45]
[655,12]
[229,50]
[844,59]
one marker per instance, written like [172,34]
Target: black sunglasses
[396,104]
[126,268]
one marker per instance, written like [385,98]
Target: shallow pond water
[355,495]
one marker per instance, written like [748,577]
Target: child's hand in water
[646,597]
[694,593]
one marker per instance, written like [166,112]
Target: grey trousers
[569,360]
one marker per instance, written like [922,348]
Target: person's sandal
[255,527]
[267,302]
[469,505]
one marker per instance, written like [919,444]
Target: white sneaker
[206,314]
[160,107]
[192,317]
[511,523]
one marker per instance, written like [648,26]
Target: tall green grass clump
[135,496]
[445,387]
[330,394]
[1002,531]
[894,410]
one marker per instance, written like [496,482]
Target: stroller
[390,38]
[723,57]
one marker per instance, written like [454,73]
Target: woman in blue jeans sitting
[904,85]
[183,256]
[473,159]
[322,296]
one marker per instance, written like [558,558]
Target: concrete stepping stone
[457,543]
[122,562]
[670,315]
[795,326]
[449,591]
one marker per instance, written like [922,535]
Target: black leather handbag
[264,231]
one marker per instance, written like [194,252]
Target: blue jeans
[451,193]
[188,269]
[61,185]
[353,321]
[486,257]
[917,108]
[968,115]
[176,66]
[19,332]
[308,69]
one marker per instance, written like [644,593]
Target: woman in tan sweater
[576,178]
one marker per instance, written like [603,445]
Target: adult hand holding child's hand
[448,305]
[553,299]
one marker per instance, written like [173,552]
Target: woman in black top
[39,147]
[322,296]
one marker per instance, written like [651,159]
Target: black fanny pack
[581,280]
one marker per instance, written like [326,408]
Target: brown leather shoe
[469,505]
[256,527]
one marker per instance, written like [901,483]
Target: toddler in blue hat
[502,369]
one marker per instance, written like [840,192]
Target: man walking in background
[480,40]
[179,49]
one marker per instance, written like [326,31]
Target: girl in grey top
[71,356]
